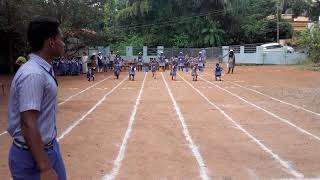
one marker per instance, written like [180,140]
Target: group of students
[67,66]
[61,66]
[177,63]
[198,64]
[99,63]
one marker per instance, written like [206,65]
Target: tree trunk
[11,57]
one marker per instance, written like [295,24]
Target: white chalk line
[75,123]
[186,133]
[275,99]
[117,162]
[266,111]
[76,94]
[285,164]
[70,97]
[298,179]
[3,133]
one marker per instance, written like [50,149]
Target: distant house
[299,23]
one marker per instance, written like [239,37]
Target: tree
[79,19]
[310,41]
[212,34]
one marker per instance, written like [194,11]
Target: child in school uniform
[194,72]
[181,61]
[132,72]
[218,72]
[91,68]
[117,69]
[140,61]
[173,72]
[154,68]
[200,62]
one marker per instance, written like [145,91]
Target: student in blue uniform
[162,61]
[118,60]
[187,63]
[117,69]
[154,68]
[132,72]
[173,72]
[218,72]
[194,72]
[174,61]
[91,67]
[140,61]
[181,61]
[200,62]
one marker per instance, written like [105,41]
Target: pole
[278,23]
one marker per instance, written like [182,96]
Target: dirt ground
[262,122]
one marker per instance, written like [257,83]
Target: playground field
[262,122]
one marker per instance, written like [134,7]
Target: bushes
[310,41]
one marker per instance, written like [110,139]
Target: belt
[23,146]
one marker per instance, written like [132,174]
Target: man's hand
[32,136]
[48,174]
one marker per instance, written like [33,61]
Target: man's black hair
[40,29]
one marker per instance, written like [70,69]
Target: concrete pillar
[107,50]
[225,51]
[259,55]
[129,51]
[145,51]
[241,49]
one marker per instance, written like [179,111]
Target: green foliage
[196,23]
[299,6]
[181,40]
[212,34]
[310,41]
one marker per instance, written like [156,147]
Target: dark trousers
[23,166]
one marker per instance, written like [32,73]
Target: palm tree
[212,34]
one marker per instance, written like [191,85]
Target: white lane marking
[255,86]
[76,94]
[266,111]
[285,164]
[74,124]
[318,178]
[186,133]
[117,162]
[3,133]
[275,99]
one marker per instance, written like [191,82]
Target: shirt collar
[39,60]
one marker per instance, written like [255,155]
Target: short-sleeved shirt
[218,71]
[33,88]
[181,60]
[162,61]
